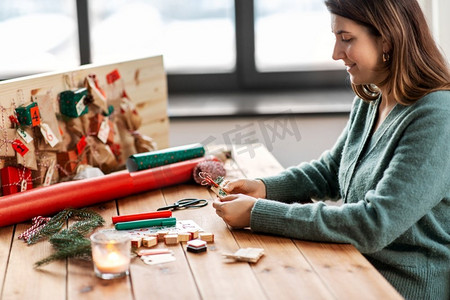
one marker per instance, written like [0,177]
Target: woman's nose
[338,52]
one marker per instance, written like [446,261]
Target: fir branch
[71,242]
[85,226]
[93,220]
[78,249]
[65,238]
[53,226]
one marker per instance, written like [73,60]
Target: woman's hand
[235,209]
[250,187]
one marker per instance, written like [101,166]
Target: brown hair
[416,66]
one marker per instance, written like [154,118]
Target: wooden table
[290,269]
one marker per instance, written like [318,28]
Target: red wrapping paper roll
[43,201]
[165,175]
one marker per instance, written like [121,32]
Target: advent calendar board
[55,125]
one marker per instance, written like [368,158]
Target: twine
[37,224]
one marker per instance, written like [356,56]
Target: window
[293,36]
[194,38]
[208,45]
[37,36]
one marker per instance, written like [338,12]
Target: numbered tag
[80,106]
[23,185]
[81,144]
[14,120]
[20,147]
[24,135]
[35,116]
[48,134]
[113,76]
[103,132]
[49,174]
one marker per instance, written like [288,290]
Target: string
[207,180]
[37,224]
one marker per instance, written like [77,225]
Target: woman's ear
[386,46]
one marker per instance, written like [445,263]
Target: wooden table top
[290,269]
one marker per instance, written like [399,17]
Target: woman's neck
[386,105]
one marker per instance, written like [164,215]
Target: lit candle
[110,254]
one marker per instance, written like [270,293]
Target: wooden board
[144,80]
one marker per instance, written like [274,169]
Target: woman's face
[361,52]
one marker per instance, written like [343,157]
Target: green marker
[146,223]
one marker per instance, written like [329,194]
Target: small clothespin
[216,185]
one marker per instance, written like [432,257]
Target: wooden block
[171,239]
[161,235]
[206,236]
[184,236]
[152,234]
[194,234]
[136,242]
[149,241]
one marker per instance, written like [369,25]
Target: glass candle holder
[110,254]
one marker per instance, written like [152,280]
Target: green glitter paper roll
[148,160]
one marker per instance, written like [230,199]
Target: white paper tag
[48,134]
[103,132]
[49,174]
[80,106]
[23,185]
[124,106]
[157,259]
[24,135]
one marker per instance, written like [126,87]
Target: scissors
[185,203]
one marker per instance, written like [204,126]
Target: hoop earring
[386,57]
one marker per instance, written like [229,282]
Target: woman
[391,164]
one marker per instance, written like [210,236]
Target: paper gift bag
[102,156]
[48,139]
[7,136]
[47,170]
[129,115]
[96,92]
[101,127]
[69,161]
[143,143]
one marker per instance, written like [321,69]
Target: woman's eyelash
[346,40]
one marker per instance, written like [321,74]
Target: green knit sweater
[395,185]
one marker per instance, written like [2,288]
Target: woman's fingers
[229,197]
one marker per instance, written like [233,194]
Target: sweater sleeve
[317,179]
[414,183]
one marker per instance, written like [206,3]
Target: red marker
[143,216]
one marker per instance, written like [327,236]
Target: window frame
[245,76]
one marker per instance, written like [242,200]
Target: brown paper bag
[46,166]
[7,136]
[48,116]
[102,156]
